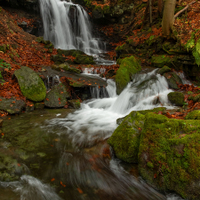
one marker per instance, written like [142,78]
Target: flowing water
[67,26]
[66,155]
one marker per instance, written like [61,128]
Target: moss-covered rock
[196,98]
[31,84]
[196,53]
[195,114]
[12,105]
[57,97]
[74,103]
[176,98]
[163,70]
[169,154]
[80,57]
[128,67]
[58,59]
[84,59]
[126,138]
[66,67]
[162,60]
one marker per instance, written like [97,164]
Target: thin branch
[178,13]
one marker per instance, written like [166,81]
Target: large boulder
[128,67]
[126,138]
[176,98]
[12,105]
[169,154]
[57,97]
[31,84]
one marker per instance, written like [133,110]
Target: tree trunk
[168,17]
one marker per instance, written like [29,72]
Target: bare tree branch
[178,13]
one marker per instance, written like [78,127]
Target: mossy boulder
[176,98]
[196,98]
[58,59]
[126,138]
[84,59]
[31,85]
[195,114]
[173,80]
[80,57]
[163,70]
[57,97]
[12,105]
[128,67]
[169,154]
[66,67]
[162,60]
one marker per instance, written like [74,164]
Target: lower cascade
[67,26]
[96,120]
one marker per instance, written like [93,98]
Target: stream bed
[62,154]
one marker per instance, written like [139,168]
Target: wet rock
[126,138]
[75,103]
[163,70]
[39,105]
[173,80]
[176,98]
[57,97]
[31,84]
[195,114]
[168,154]
[12,105]
[128,67]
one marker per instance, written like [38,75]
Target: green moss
[172,146]
[176,98]
[126,138]
[161,60]
[164,70]
[195,114]
[128,67]
[196,53]
[31,84]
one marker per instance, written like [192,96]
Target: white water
[96,120]
[67,26]
[30,188]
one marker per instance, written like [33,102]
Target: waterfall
[67,26]
[96,120]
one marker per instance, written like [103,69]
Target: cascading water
[67,26]
[96,120]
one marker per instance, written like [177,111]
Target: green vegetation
[3,65]
[128,67]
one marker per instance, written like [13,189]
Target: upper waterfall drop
[67,26]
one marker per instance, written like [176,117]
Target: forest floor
[21,48]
